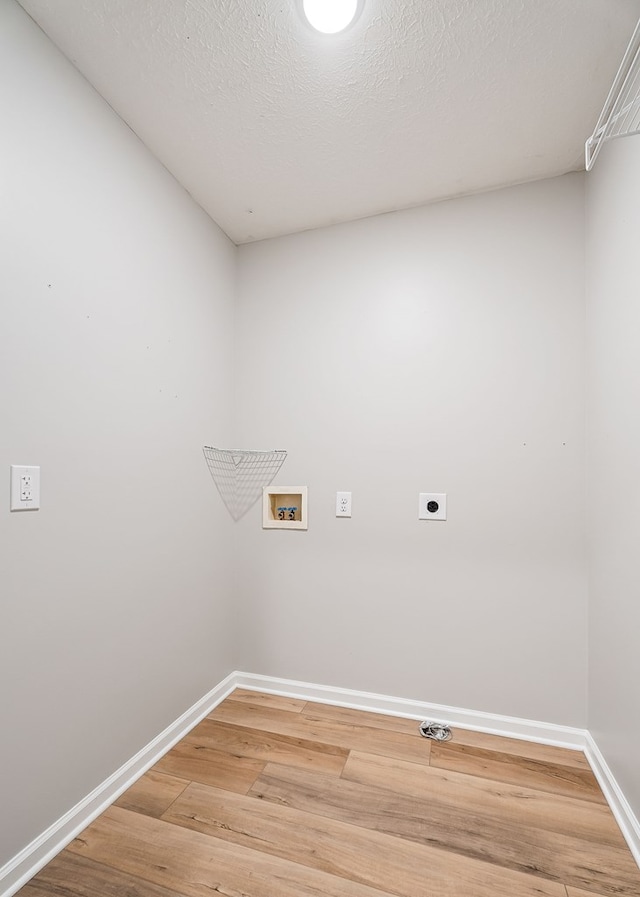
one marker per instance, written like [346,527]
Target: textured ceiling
[275,129]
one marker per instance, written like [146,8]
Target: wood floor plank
[69,875]
[547,753]
[512,803]
[262,699]
[560,858]
[153,793]
[519,747]
[348,736]
[347,716]
[199,865]
[567,780]
[578,892]
[205,764]
[348,851]
[268,746]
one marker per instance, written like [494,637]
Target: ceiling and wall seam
[273,129]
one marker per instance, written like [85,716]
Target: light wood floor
[273,797]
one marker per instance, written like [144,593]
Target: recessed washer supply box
[284,507]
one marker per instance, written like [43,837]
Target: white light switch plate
[25,488]
[432,506]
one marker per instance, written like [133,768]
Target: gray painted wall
[439,349]
[115,364]
[613,506]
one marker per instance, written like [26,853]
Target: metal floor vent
[435,731]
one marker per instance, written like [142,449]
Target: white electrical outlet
[432,506]
[343,504]
[25,488]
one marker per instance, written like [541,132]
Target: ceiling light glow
[330,16]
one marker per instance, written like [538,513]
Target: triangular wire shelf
[241,475]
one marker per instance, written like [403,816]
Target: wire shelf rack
[241,475]
[620,116]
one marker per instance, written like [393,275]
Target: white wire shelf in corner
[240,475]
[620,116]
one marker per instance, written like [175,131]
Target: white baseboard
[625,817]
[17,872]
[509,726]
[34,856]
